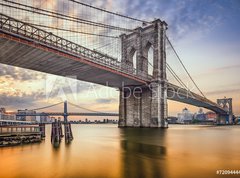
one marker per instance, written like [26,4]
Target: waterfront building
[200,115]
[8,117]
[43,119]
[212,116]
[238,120]
[185,117]
[172,120]
[26,118]
[5,116]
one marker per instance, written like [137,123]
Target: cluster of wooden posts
[57,132]
[13,134]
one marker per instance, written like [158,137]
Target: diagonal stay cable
[173,74]
[185,67]
[176,77]
[73,31]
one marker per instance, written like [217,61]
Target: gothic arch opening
[133,57]
[149,56]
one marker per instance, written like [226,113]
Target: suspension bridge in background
[71,38]
[65,113]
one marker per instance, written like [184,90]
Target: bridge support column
[143,106]
[226,103]
[159,105]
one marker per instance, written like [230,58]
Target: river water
[180,151]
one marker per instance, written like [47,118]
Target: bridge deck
[22,53]
[179,94]
[28,47]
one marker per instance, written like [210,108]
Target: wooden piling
[42,130]
[55,135]
[60,128]
[68,132]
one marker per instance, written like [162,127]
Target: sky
[205,33]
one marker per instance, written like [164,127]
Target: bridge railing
[37,35]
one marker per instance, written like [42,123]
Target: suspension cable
[176,76]
[173,74]
[73,31]
[47,106]
[110,12]
[83,108]
[185,67]
[63,16]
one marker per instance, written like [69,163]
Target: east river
[180,151]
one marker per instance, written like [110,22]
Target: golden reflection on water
[107,151]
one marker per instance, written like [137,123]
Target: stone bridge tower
[145,106]
[226,103]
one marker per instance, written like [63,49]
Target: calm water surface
[107,151]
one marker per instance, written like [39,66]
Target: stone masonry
[145,106]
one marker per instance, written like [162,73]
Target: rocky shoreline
[12,140]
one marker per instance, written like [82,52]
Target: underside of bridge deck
[26,54]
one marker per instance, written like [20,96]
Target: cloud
[185,18]
[229,67]
[15,73]
[222,92]
[105,100]
[20,99]
[12,95]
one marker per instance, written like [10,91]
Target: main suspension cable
[63,16]
[113,13]
[47,106]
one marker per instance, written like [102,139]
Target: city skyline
[205,34]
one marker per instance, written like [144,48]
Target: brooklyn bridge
[105,48]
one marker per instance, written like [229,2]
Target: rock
[5,143]
[14,142]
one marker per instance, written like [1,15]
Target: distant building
[172,120]
[238,120]
[52,119]
[26,118]
[2,110]
[43,119]
[9,117]
[200,115]
[5,116]
[185,117]
[212,116]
